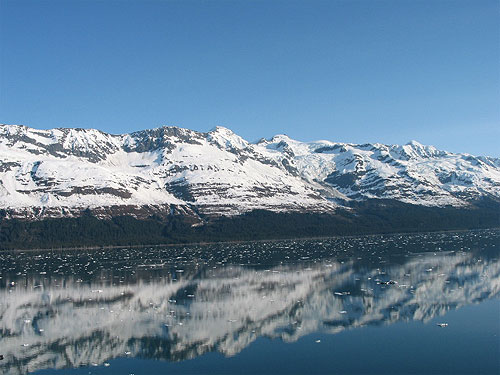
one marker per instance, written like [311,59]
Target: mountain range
[171,171]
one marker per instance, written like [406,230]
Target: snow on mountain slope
[77,169]
[412,173]
[61,172]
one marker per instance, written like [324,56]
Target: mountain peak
[415,143]
[416,149]
[281,137]
[221,129]
[226,138]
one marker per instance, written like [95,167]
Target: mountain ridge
[61,172]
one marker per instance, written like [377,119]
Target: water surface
[402,304]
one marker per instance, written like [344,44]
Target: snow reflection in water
[67,309]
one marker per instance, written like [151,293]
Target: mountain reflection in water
[156,304]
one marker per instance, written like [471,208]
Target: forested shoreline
[371,217]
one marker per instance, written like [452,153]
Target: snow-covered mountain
[226,308]
[62,172]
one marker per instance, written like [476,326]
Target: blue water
[360,305]
[469,345]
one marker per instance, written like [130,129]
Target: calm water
[359,305]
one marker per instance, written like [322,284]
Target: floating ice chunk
[341,293]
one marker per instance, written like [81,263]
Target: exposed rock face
[62,172]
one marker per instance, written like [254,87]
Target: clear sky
[350,71]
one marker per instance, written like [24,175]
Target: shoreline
[207,243]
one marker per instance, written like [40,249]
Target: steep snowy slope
[67,170]
[412,173]
[61,172]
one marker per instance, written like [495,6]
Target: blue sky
[350,71]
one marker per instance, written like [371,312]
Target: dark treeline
[365,218]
